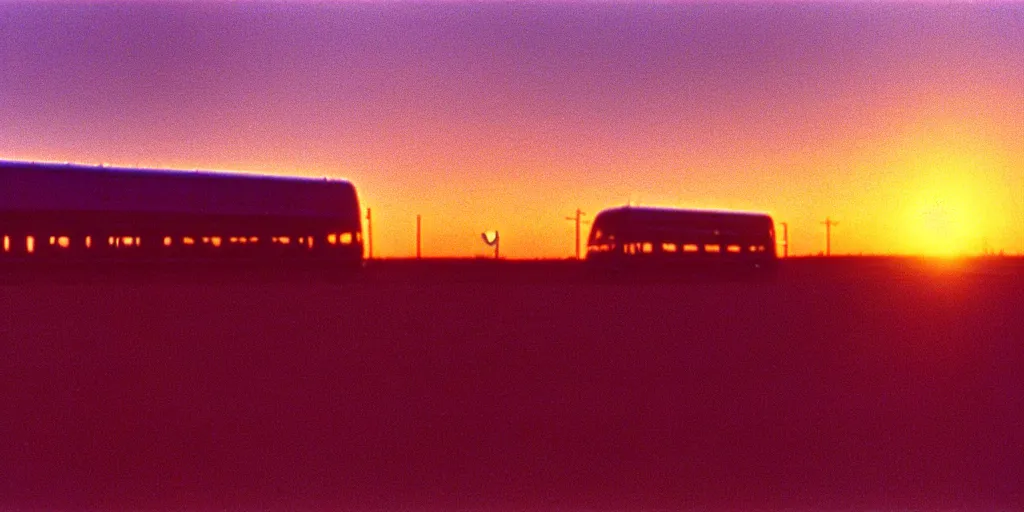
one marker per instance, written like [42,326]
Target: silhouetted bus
[674,239]
[76,216]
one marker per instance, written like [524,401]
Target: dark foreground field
[857,383]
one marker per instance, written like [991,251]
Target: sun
[939,229]
[949,192]
[945,223]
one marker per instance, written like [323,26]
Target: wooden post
[579,214]
[828,235]
[369,233]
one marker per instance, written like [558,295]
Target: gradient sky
[903,121]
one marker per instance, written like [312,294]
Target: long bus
[68,216]
[670,240]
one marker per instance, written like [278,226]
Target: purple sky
[510,115]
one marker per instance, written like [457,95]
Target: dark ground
[845,383]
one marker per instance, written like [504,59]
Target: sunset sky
[902,121]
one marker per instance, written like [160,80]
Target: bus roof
[640,214]
[644,221]
[31,187]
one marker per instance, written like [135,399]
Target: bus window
[215,240]
[7,243]
[88,242]
[668,247]
[332,239]
[346,238]
[733,249]
[647,247]
[30,244]
[63,242]
[188,240]
[712,248]
[690,248]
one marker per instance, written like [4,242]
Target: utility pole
[828,235]
[785,239]
[579,214]
[369,233]
[418,231]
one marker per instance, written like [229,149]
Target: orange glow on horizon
[952,207]
[910,139]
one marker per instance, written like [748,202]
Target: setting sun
[953,200]
[942,229]
[947,217]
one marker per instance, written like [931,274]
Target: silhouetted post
[418,236]
[579,214]
[785,239]
[496,241]
[369,233]
[828,235]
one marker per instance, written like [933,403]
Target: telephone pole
[579,214]
[785,239]
[828,235]
[369,233]
[418,231]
